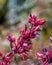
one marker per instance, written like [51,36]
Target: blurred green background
[15,13]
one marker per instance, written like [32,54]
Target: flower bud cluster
[45,56]
[23,44]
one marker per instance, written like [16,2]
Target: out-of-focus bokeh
[15,13]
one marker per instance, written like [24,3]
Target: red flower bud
[24,56]
[41,22]
[22,31]
[11,39]
[1,54]
[32,19]
[10,54]
[3,63]
[39,55]
[7,59]
[20,50]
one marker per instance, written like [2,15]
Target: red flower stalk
[24,41]
[45,56]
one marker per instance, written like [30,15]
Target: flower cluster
[45,55]
[23,44]
[6,60]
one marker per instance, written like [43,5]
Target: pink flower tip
[39,55]
[24,56]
